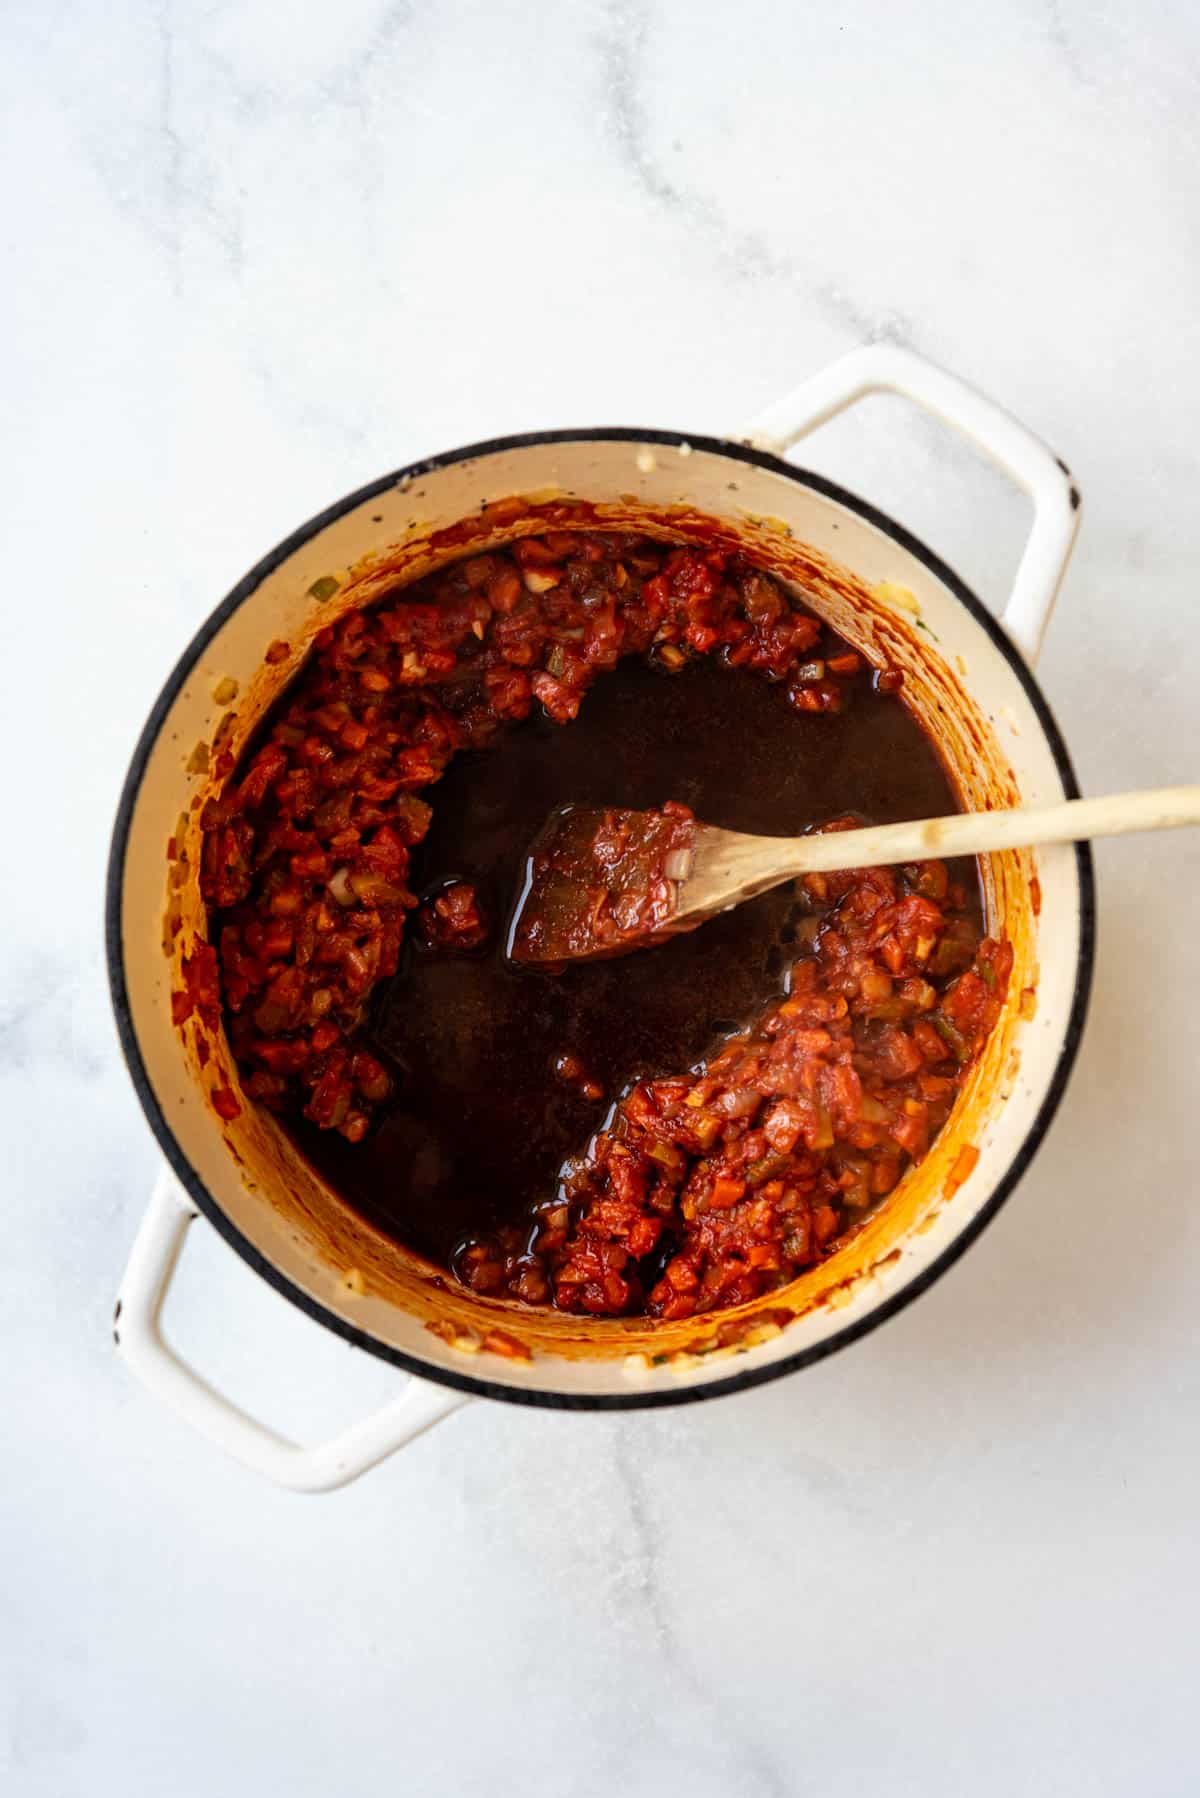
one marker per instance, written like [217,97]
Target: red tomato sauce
[700,1189]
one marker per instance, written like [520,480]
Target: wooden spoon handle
[977,833]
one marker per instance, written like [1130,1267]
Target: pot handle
[138,1334]
[883,368]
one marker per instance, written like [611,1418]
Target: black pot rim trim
[470,1383]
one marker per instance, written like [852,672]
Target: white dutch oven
[967,677]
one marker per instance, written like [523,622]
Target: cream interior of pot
[879,596]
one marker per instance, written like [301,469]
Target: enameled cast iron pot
[967,677]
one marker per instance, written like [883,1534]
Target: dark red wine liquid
[481,1122]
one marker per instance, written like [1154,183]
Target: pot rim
[471,1383]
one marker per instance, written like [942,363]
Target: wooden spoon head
[603,881]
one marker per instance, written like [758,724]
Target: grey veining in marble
[258,255]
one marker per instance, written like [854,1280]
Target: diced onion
[540,580]
[737,1102]
[340,888]
[679,864]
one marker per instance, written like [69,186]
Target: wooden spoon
[603,882]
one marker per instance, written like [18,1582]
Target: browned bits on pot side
[466,1341]
[499,1342]
[201,989]
[965,1163]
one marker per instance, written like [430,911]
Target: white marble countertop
[257,257]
